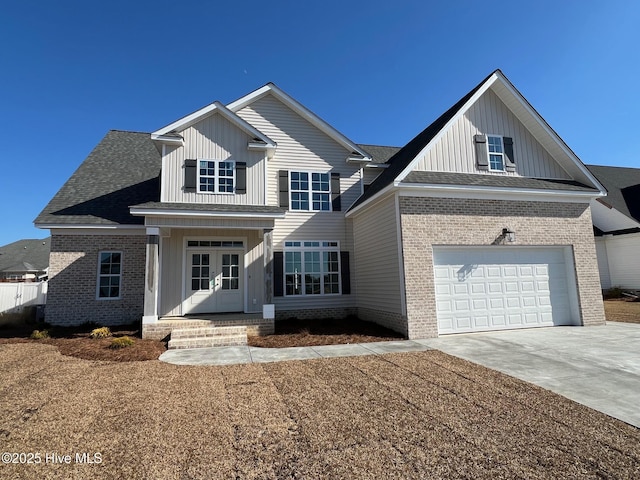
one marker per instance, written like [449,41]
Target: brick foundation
[316,313]
[393,321]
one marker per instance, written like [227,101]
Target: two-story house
[480,222]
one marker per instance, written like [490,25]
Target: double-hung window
[310,191]
[496,152]
[312,268]
[109,275]
[216,176]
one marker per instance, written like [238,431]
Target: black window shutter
[283,188]
[346,277]
[241,177]
[510,162]
[482,156]
[278,273]
[190,175]
[335,191]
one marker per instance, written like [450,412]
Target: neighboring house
[616,222]
[25,260]
[481,222]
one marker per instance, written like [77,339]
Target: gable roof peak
[404,161]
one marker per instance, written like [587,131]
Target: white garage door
[502,287]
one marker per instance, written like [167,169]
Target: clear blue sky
[378,71]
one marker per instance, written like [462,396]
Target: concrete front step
[203,337]
[207,331]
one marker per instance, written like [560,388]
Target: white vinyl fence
[15,296]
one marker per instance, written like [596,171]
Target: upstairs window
[216,176]
[310,191]
[496,153]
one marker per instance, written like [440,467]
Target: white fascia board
[301,110]
[166,139]
[92,230]
[215,107]
[446,127]
[549,131]
[494,193]
[377,165]
[198,213]
[90,226]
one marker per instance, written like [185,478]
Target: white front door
[214,281]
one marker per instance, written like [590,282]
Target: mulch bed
[310,333]
[75,342]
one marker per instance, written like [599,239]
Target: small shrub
[39,334]
[615,292]
[102,332]
[121,342]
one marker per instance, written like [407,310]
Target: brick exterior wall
[444,221]
[391,320]
[73,271]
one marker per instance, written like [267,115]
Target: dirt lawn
[622,311]
[419,415]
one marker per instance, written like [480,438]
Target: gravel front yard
[423,415]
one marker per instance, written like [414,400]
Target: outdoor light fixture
[509,235]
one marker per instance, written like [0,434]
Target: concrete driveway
[596,366]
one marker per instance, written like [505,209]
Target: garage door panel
[498,288]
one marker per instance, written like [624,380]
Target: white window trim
[119,297]
[216,176]
[489,153]
[303,249]
[310,191]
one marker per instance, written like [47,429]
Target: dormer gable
[170,134]
[467,141]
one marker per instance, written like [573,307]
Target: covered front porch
[208,266]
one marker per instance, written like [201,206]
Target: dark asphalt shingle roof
[497,181]
[623,187]
[25,255]
[379,153]
[122,170]
[400,160]
[213,208]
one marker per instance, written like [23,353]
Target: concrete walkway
[236,355]
[596,366]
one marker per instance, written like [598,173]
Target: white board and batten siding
[377,271]
[172,265]
[482,289]
[213,138]
[455,150]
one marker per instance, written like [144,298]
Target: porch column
[268,309]
[151,277]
